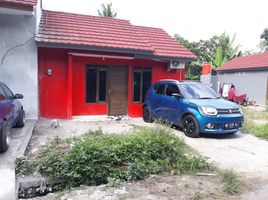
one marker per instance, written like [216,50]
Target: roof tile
[246,62]
[96,31]
[21,2]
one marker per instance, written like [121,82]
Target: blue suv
[193,106]
[11,114]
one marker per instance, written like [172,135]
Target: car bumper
[228,123]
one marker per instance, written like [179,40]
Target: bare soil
[165,187]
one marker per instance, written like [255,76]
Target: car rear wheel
[21,121]
[190,126]
[4,137]
[146,114]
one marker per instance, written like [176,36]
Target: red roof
[20,2]
[95,31]
[246,62]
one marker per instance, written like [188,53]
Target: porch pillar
[70,87]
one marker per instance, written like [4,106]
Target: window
[160,89]
[95,84]
[2,94]
[142,79]
[198,91]
[172,88]
[7,91]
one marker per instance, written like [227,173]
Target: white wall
[19,67]
[254,84]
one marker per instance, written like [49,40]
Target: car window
[2,94]
[160,89]
[7,91]
[172,88]
[155,87]
[198,91]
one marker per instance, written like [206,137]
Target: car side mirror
[18,96]
[176,95]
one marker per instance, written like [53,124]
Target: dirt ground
[245,154]
[179,187]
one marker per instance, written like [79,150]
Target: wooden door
[117,90]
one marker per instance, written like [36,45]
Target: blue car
[11,114]
[193,106]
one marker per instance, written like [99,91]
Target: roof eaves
[183,59]
[91,48]
[243,69]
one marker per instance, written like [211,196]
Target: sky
[191,19]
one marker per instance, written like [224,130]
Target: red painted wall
[54,89]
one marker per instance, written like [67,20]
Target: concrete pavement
[20,138]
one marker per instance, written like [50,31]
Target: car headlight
[208,110]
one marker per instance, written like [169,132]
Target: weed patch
[232,183]
[98,158]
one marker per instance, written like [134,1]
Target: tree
[264,37]
[225,51]
[216,50]
[106,11]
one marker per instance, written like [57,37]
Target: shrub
[97,158]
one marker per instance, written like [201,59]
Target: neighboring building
[18,51]
[249,74]
[92,65]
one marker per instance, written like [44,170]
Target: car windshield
[198,91]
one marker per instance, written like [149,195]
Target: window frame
[98,68]
[141,70]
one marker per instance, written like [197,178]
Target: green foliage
[113,182]
[24,166]
[99,158]
[232,183]
[218,57]
[106,11]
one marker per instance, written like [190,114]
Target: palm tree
[106,11]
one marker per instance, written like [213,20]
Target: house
[249,74]
[18,51]
[90,65]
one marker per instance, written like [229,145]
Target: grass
[232,184]
[99,158]
[259,130]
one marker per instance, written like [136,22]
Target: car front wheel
[4,137]
[190,126]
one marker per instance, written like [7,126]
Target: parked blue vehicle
[11,114]
[193,106]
